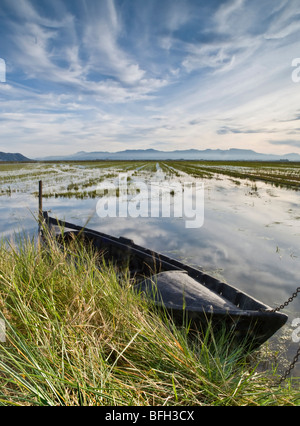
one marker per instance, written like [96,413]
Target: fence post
[40,202]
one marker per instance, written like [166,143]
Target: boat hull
[248,318]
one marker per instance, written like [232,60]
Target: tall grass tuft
[78,335]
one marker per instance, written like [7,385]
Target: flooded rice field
[250,235]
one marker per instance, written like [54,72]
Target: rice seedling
[286,175]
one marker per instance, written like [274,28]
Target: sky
[110,75]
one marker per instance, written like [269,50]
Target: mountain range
[153,154]
[6,156]
[189,154]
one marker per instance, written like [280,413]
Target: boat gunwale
[261,311]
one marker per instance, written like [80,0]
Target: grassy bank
[75,336]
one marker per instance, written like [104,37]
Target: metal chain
[296,359]
[291,367]
[290,300]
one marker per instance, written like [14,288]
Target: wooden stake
[40,202]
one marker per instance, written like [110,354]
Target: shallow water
[250,236]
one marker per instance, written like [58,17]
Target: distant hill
[189,154]
[13,157]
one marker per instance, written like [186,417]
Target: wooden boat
[184,291]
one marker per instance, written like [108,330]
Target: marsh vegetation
[76,179]
[96,342]
[77,334]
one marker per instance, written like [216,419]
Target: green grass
[79,179]
[285,174]
[77,334]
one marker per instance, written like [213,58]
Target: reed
[77,334]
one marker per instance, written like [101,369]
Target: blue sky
[108,75]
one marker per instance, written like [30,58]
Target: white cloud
[78,80]
[285,23]
[226,12]
[101,41]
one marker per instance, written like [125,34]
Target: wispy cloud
[113,74]
[287,143]
[101,35]
[225,130]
